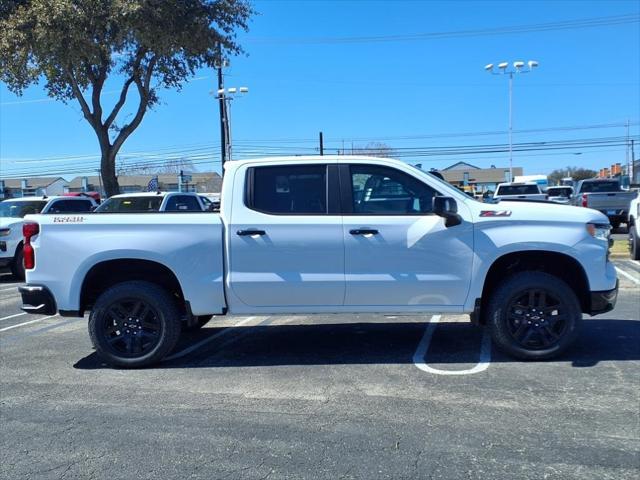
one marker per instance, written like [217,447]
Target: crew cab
[147,202]
[518,191]
[605,195]
[324,234]
[12,212]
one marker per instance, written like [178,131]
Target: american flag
[152,186]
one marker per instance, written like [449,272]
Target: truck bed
[189,244]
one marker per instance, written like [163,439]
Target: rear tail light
[584,200]
[29,230]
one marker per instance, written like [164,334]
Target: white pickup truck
[323,235]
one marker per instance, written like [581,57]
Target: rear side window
[183,203]
[288,190]
[70,206]
[518,190]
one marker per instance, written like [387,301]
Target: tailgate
[609,201]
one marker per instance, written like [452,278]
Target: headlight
[4,232]
[599,230]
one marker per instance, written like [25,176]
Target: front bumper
[605,301]
[37,299]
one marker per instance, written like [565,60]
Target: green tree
[75,46]
[577,173]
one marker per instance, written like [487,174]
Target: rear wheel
[634,243]
[533,316]
[17,266]
[134,324]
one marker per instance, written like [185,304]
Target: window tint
[183,203]
[18,209]
[289,189]
[518,190]
[386,191]
[601,186]
[131,204]
[70,206]
[559,191]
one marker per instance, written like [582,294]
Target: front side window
[288,190]
[386,191]
[183,203]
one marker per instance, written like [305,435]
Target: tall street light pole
[518,67]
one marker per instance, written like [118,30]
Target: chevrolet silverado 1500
[320,235]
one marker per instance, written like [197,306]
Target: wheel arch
[558,264]
[107,273]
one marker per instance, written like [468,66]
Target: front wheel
[533,316]
[134,324]
[634,243]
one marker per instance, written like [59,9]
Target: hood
[542,211]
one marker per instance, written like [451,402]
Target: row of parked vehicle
[12,212]
[603,194]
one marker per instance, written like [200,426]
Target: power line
[527,28]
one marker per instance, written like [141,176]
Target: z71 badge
[68,219]
[495,213]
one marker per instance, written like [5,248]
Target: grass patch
[620,247]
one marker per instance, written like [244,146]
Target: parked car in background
[518,191]
[560,194]
[211,201]
[12,212]
[325,234]
[634,227]
[605,195]
[152,202]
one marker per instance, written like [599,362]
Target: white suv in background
[12,212]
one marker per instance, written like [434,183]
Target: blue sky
[301,82]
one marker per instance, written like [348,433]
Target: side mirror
[447,208]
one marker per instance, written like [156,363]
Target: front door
[397,252]
[286,246]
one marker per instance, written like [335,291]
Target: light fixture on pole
[503,69]
[227,96]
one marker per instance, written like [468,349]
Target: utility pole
[631,165]
[223,116]
[321,145]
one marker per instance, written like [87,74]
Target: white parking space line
[628,275]
[421,352]
[9,289]
[196,346]
[13,316]
[26,323]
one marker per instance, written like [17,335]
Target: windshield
[18,209]
[518,190]
[559,191]
[130,205]
[597,187]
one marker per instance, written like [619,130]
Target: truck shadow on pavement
[376,343]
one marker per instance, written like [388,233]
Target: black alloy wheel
[131,327]
[536,319]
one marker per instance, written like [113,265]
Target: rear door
[397,252]
[285,236]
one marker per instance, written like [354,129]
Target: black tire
[533,316]
[201,321]
[134,324]
[634,243]
[17,266]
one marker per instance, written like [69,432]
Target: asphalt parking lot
[322,397]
